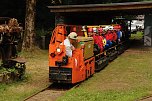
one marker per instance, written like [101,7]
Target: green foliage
[137,35]
[13,69]
[3,70]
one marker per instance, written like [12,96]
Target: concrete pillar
[148,30]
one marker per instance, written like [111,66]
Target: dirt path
[51,93]
[146,98]
[47,95]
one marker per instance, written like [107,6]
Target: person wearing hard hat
[101,38]
[108,37]
[115,37]
[105,45]
[90,31]
[100,31]
[72,37]
[97,38]
[117,28]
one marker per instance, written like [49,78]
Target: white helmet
[73,35]
[110,28]
[83,28]
[95,29]
[106,28]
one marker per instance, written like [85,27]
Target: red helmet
[116,27]
[119,27]
[100,30]
[90,29]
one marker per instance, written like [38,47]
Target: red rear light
[52,54]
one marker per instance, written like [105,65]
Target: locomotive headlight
[58,50]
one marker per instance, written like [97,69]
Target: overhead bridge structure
[94,14]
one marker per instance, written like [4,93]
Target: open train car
[86,58]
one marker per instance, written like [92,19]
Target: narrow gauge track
[51,93]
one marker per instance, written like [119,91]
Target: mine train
[91,54]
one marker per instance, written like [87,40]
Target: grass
[127,78]
[35,80]
[138,35]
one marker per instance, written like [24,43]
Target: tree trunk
[29,35]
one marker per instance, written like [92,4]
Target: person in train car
[97,47]
[110,32]
[119,33]
[90,32]
[115,37]
[68,42]
[101,38]
[97,38]
[108,37]
[94,35]
[105,45]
